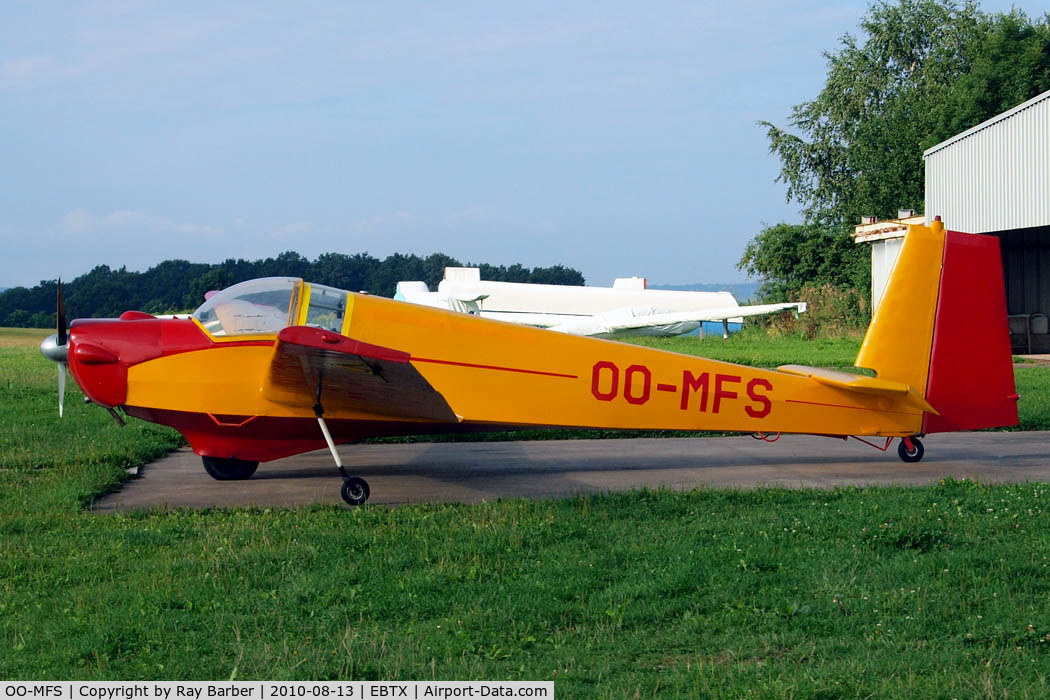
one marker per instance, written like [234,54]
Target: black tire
[912,455]
[229,469]
[355,491]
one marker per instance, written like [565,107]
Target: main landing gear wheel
[229,469]
[910,452]
[355,490]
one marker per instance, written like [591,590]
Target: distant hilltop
[743,291]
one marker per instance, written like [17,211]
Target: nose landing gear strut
[354,490]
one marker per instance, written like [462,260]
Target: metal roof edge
[987,123]
[889,228]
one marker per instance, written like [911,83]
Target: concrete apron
[472,472]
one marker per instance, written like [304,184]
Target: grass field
[753,347]
[941,591]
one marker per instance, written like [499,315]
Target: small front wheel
[354,490]
[229,469]
[912,452]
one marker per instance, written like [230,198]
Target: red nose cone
[101,350]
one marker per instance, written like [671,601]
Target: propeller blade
[61,307]
[61,386]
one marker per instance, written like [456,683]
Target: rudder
[971,376]
[941,329]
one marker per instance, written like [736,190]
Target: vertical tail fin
[900,337]
[941,329]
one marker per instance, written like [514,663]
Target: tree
[922,71]
[434,268]
[215,279]
[1011,64]
[859,149]
[353,272]
[556,274]
[395,268]
[790,256]
[287,264]
[178,285]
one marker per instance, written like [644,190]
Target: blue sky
[616,137]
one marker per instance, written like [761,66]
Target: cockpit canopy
[256,307]
[265,306]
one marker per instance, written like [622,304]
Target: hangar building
[994,179]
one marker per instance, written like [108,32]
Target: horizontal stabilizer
[859,383]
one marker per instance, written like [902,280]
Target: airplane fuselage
[492,374]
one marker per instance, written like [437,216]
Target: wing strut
[354,490]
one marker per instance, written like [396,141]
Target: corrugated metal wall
[883,257]
[995,176]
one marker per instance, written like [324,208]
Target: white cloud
[81,221]
[294,231]
[386,223]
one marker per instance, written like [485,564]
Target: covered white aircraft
[626,308]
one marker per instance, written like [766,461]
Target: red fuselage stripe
[856,408]
[500,369]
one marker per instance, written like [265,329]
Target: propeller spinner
[55,347]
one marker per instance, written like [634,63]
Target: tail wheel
[229,469]
[355,490]
[910,449]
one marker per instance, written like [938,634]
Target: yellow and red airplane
[277,366]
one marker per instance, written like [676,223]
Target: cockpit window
[255,307]
[327,307]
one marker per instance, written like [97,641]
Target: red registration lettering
[722,393]
[631,391]
[764,405]
[614,381]
[693,383]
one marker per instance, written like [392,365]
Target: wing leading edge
[348,375]
[627,319]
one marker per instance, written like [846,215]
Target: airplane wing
[349,376]
[634,318]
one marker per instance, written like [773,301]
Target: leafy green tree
[241,270]
[434,268]
[19,318]
[178,285]
[394,269]
[921,71]
[352,272]
[518,273]
[790,256]
[287,264]
[215,279]
[858,147]
[1010,64]
[556,274]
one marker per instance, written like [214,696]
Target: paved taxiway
[480,471]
